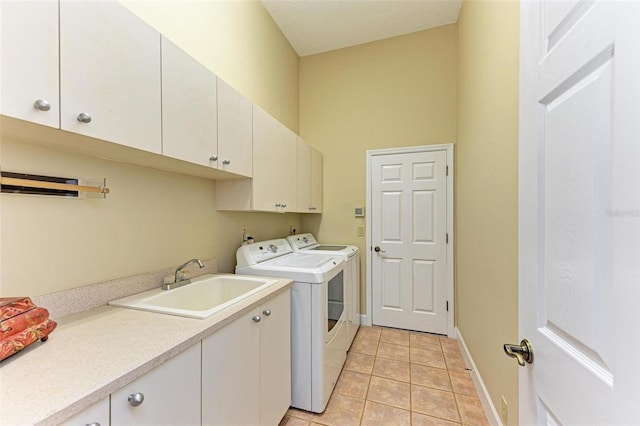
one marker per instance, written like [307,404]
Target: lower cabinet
[246,367]
[167,395]
[97,415]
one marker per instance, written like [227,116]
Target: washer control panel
[301,241]
[252,254]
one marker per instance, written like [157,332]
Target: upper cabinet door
[29,58]
[189,111]
[287,176]
[267,136]
[309,178]
[316,181]
[304,176]
[235,135]
[109,74]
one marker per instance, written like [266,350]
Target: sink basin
[203,297]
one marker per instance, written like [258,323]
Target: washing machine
[318,330]
[351,255]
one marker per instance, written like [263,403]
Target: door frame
[367,319]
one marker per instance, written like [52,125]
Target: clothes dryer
[306,243]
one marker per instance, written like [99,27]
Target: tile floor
[396,377]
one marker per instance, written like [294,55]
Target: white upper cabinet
[109,74]
[274,186]
[274,164]
[316,181]
[189,108]
[235,133]
[309,178]
[29,61]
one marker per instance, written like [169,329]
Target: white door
[579,228]
[409,239]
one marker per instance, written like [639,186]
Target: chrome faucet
[180,282]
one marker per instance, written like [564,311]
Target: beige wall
[152,219]
[390,93]
[238,41]
[486,210]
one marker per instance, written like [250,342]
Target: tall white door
[579,236]
[408,238]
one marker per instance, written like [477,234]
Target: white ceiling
[315,26]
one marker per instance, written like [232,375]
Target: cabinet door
[97,414]
[109,71]
[171,394]
[189,108]
[286,164]
[275,359]
[235,135]
[267,135]
[29,61]
[316,181]
[230,374]
[304,176]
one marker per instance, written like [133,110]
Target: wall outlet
[360,230]
[505,410]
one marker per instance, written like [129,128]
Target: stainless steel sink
[203,297]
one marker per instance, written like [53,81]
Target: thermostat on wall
[359,211]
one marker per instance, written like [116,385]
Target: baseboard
[483,394]
[365,319]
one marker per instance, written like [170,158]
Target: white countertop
[94,353]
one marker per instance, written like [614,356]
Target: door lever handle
[522,352]
[377,249]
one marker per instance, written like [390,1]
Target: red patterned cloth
[21,324]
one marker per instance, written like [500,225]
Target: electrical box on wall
[359,211]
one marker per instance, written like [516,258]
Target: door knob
[522,352]
[136,399]
[83,117]
[378,250]
[42,105]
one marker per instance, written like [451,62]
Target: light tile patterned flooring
[395,378]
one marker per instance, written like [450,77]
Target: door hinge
[447,238]
[447,170]
[447,306]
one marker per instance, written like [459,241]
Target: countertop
[96,352]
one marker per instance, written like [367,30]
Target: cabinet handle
[226,161]
[256,318]
[266,312]
[213,158]
[93,424]
[136,399]
[83,117]
[42,105]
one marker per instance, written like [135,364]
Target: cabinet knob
[42,105]
[136,399]
[283,205]
[213,158]
[226,161]
[267,312]
[256,318]
[278,205]
[93,424]
[83,117]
